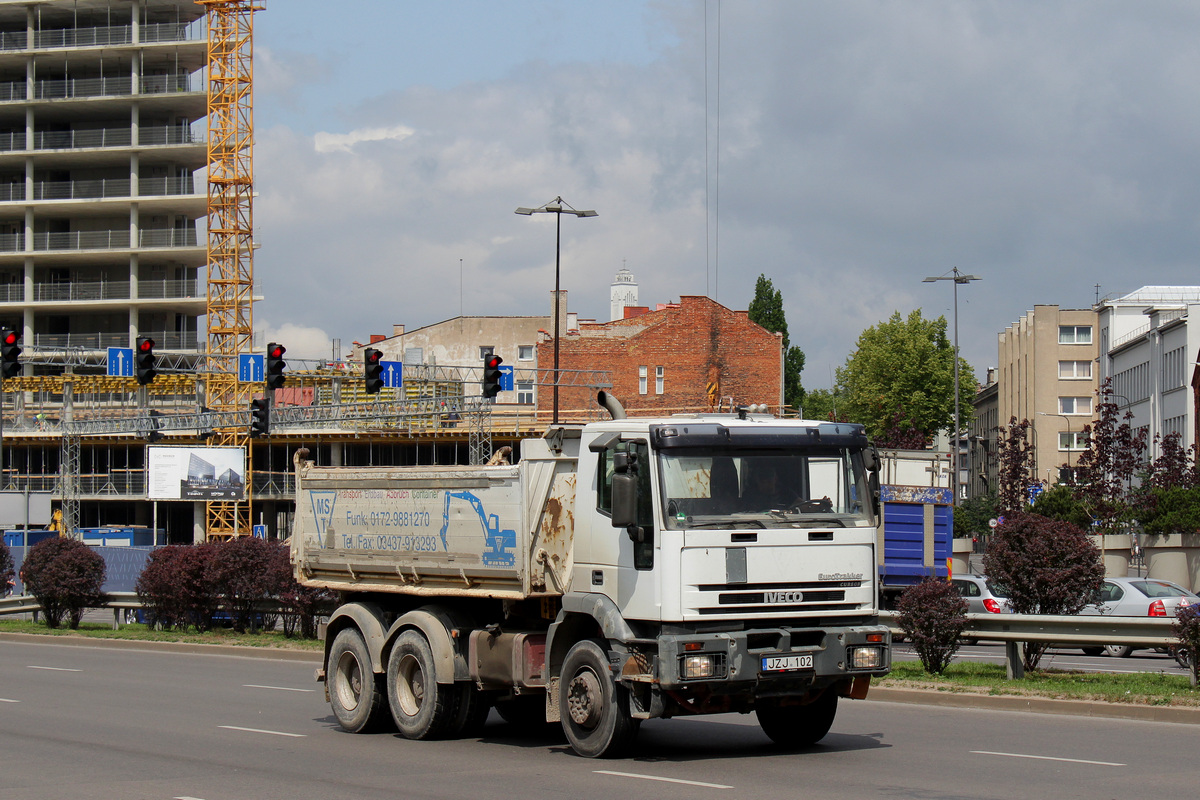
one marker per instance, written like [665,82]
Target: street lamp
[1070,439]
[958,278]
[558,208]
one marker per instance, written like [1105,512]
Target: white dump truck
[621,570]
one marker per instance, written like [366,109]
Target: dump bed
[500,531]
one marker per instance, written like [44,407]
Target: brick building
[689,356]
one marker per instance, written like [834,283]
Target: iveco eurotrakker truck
[622,570]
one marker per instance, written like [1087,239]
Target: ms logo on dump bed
[322,505]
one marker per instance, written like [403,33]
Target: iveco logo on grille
[783,597]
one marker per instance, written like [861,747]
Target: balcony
[153,33]
[164,340]
[101,137]
[101,240]
[109,290]
[99,190]
[121,86]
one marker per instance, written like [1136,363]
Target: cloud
[324,142]
[301,341]
[863,146]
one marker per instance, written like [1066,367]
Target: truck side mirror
[624,500]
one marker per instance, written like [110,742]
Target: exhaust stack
[611,403]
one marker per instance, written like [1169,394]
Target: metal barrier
[1080,631]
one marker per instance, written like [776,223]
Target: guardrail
[119,602]
[1080,631]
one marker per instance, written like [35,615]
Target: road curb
[276,654]
[1037,705]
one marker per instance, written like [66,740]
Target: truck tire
[1118,650]
[355,693]
[421,707]
[794,726]
[473,709]
[593,707]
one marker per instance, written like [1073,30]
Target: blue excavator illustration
[500,543]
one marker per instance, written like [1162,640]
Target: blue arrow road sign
[250,367]
[392,373]
[506,379]
[120,362]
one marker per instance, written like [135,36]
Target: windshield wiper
[725,523]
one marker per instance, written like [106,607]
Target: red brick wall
[696,343]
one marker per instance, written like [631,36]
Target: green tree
[766,309]
[824,404]
[973,515]
[902,376]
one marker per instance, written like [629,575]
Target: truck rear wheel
[355,693]
[593,707]
[421,707]
[794,726]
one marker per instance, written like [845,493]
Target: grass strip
[1141,688]
[138,632]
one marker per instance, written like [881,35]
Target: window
[1173,369]
[658,380]
[524,352]
[1068,370]
[641,380]
[486,350]
[1074,334]
[1074,440]
[1075,405]
[643,552]
[525,393]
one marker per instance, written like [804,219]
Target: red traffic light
[12,337]
[145,345]
[494,361]
[373,356]
[277,351]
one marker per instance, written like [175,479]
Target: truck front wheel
[593,707]
[793,726]
[354,691]
[421,707]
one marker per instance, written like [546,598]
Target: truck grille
[776,598]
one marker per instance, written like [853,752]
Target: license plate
[787,663]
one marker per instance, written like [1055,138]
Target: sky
[845,150]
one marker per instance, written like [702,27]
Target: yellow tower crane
[230,232]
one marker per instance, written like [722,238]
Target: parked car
[1136,597]
[982,596]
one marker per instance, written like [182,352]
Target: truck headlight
[869,657]
[702,665]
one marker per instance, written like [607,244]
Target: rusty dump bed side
[499,532]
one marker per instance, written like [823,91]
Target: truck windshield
[764,488]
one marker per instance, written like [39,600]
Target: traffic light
[145,360]
[373,369]
[10,349]
[260,416]
[491,375]
[275,365]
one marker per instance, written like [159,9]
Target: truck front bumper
[774,658]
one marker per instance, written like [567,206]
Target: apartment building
[1150,351]
[102,158]
[1046,374]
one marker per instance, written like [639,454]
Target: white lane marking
[260,730]
[277,688]
[659,778]
[6,700]
[1049,758]
[55,669]
[185,797]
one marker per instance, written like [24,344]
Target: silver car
[982,596]
[1137,597]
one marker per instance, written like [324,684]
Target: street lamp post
[958,278]
[558,208]
[1070,439]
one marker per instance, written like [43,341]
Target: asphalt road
[120,724]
